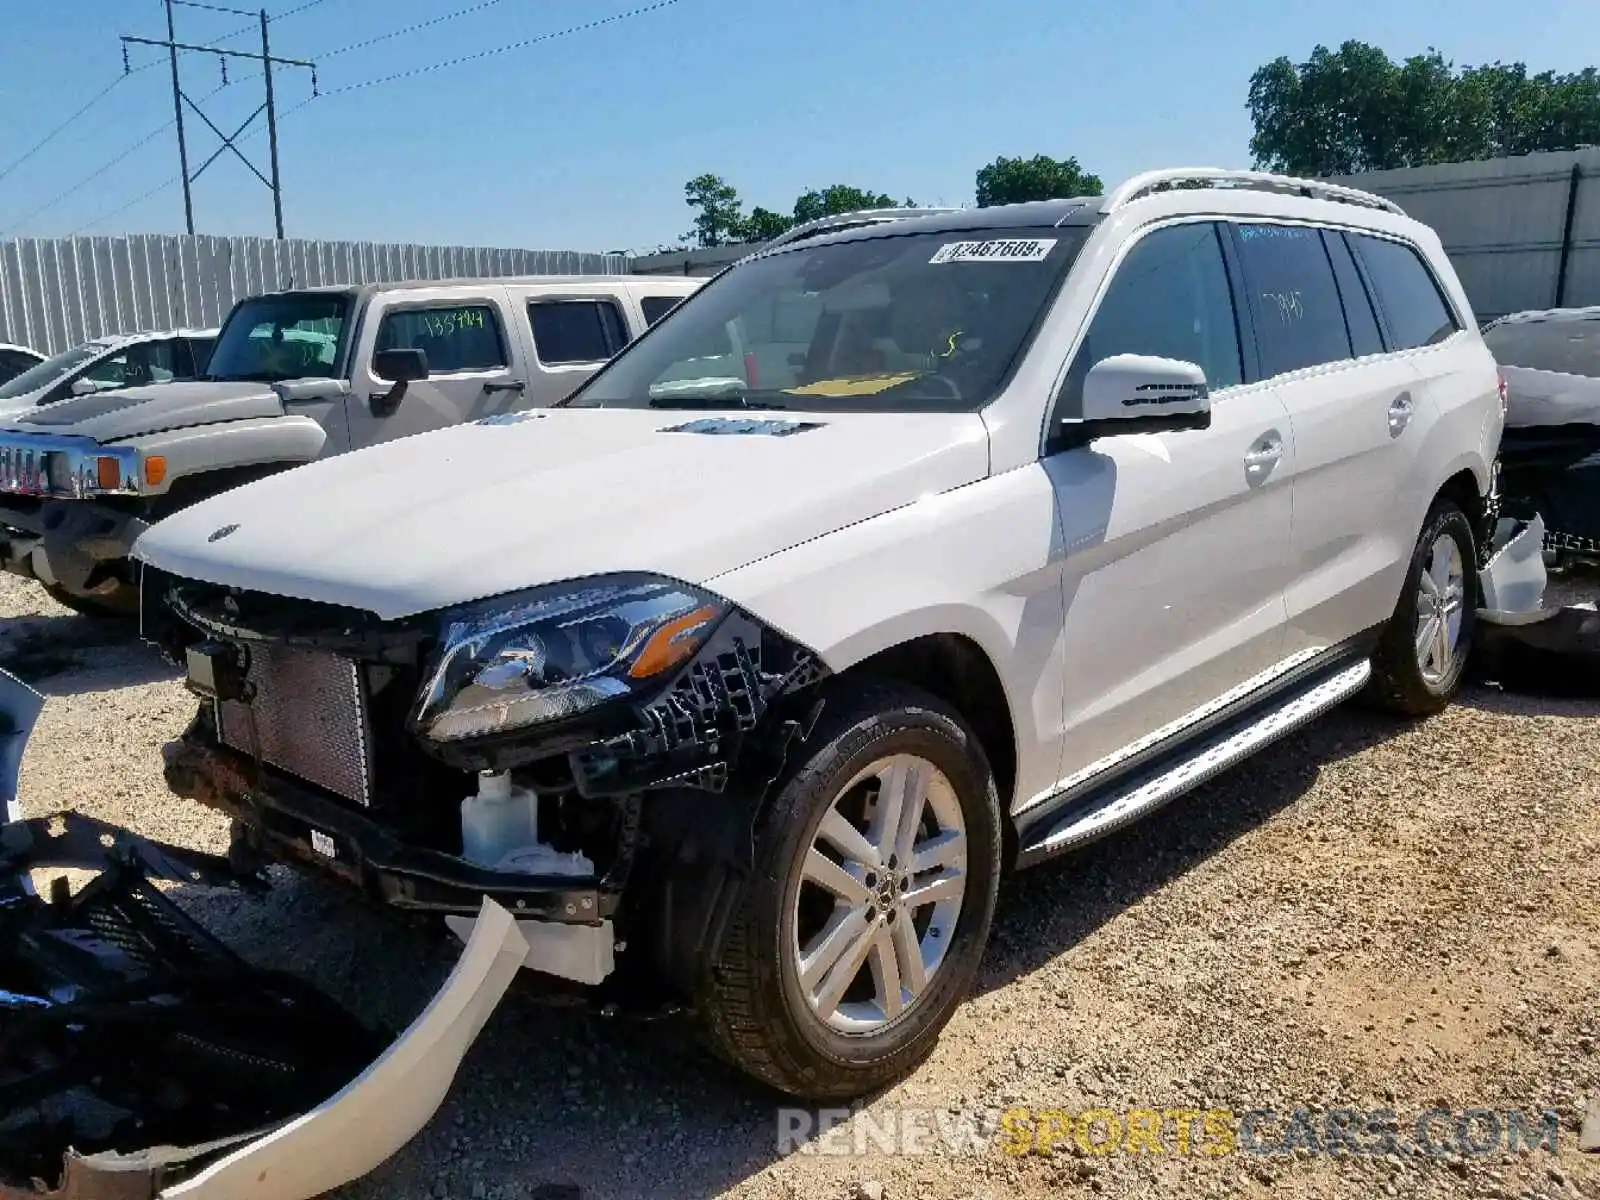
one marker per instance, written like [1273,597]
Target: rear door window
[656,307]
[1299,320]
[576,331]
[1359,317]
[1412,303]
[455,337]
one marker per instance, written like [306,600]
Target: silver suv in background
[104,363]
[296,376]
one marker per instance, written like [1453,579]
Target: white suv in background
[889,561]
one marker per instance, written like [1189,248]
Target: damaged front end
[563,751]
[141,1058]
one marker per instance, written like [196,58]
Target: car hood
[1535,398]
[478,510]
[133,411]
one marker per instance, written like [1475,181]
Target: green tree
[840,198]
[1013,180]
[719,216]
[763,224]
[1354,109]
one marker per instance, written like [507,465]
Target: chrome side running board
[1126,800]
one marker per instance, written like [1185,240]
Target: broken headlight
[554,652]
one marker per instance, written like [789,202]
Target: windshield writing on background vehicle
[897,322]
[49,371]
[274,338]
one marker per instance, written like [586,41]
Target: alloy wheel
[1441,599]
[879,894]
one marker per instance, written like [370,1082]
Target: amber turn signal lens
[672,643]
[108,474]
[155,469]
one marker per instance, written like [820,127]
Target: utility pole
[179,98]
[177,112]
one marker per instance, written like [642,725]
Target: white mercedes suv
[890,561]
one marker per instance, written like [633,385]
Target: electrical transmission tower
[180,98]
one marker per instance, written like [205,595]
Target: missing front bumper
[291,823]
[142,1060]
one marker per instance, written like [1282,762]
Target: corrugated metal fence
[55,292]
[1523,232]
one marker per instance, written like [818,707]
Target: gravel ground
[1369,915]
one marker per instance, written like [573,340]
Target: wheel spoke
[914,803]
[1425,582]
[947,885]
[1442,652]
[1439,566]
[886,974]
[913,971]
[846,967]
[946,849]
[1425,638]
[844,929]
[847,839]
[829,875]
[901,787]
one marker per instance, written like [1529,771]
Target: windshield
[50,370]
[928,322]
[1566,345]
[272,338]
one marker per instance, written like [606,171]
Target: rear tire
[1422,656]
[840,966]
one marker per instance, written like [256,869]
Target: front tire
[865,919]
[116,603]
[1422,657]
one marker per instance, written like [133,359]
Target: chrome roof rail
[1179,177]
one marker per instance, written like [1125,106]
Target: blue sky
[585,141]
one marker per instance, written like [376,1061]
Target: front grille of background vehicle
[310,719]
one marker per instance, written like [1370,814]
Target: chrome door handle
[505,385]
[1400,415]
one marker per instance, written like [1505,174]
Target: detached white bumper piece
[385,1106]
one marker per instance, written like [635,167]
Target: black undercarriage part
[125,1026]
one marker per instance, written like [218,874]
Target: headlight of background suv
[553,652]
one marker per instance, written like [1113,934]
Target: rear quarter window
[567,332]
[1409,297]
[656,307]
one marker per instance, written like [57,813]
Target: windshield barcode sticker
[999,250]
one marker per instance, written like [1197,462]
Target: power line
[384,37]
[506,49]
[51,136]
[161,187]
[102,169]
[299,9]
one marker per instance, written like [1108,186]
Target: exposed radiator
[310,711]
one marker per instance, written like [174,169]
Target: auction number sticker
[997,250]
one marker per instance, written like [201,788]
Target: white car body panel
[558,494]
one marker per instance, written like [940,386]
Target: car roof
[410,285]
[1082,210]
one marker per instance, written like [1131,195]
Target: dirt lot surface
[1370,915]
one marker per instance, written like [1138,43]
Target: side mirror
[1138,393]
[83,386]
[399,367]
